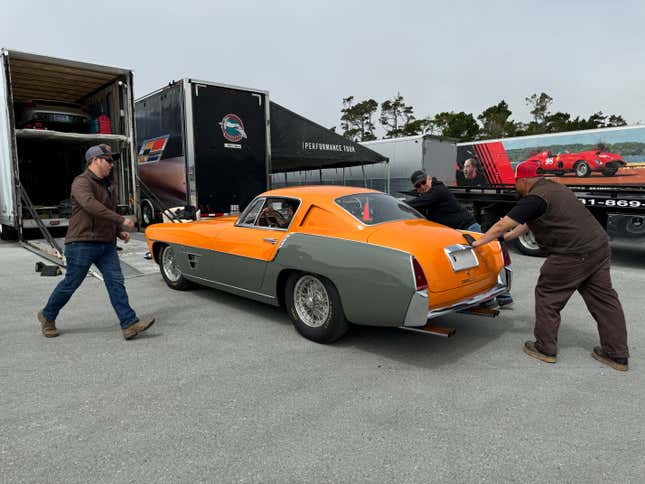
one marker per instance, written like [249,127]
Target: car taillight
[506,255]
[419,276]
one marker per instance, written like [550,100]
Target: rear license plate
[461,257]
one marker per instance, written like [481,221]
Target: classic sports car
[333,255]
[581,163]
[56,115]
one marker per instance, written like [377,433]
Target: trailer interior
[60,108]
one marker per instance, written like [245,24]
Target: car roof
[317,192]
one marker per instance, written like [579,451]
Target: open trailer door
[7,192]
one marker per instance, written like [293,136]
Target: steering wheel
[270,218]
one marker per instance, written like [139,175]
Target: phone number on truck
[612,203]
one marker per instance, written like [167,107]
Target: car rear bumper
[418,314]
[498,289]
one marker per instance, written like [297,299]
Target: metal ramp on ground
[132,255]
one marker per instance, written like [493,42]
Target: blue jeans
[80,256]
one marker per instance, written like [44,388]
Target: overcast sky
[441,56]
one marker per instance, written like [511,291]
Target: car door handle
[271,241]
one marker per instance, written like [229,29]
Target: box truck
[51,111]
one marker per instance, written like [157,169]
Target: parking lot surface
[223,389]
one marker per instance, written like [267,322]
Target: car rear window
[376,208]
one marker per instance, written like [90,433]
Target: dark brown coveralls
[578,259]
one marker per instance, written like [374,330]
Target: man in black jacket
[438,204]
[91,239]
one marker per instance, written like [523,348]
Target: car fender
[375,283]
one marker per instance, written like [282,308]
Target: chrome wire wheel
[169,265]
[311,301]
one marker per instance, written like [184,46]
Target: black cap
[418,176]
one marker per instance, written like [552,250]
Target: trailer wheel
[147,213]
[582,169]
[527,245]
[170,270]
[8,233]
[314,307]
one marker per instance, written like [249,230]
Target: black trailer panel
[202,144]
[230,146]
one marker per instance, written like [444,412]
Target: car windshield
[251,212]
[376,208]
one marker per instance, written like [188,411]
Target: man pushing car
[578,260]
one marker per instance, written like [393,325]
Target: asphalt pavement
[223,389]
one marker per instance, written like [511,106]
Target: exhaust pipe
[430,329]
[477,311]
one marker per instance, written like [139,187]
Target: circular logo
[232,128]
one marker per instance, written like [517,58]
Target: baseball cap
[100,151]
[527,169]
[418,176]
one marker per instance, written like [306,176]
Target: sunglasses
[109,160]
[419,184]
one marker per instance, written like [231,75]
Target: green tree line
[398,119]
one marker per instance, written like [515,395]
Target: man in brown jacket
[91,239]
[578,258]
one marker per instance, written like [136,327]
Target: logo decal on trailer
[152,150]
[232,128]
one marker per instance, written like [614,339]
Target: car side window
[277,213]
[249,215]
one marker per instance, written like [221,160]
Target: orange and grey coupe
[333,256]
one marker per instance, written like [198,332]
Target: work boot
[619,364]
[140,326]
[47,327]
[531,350]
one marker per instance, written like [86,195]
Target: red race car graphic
[581,163]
